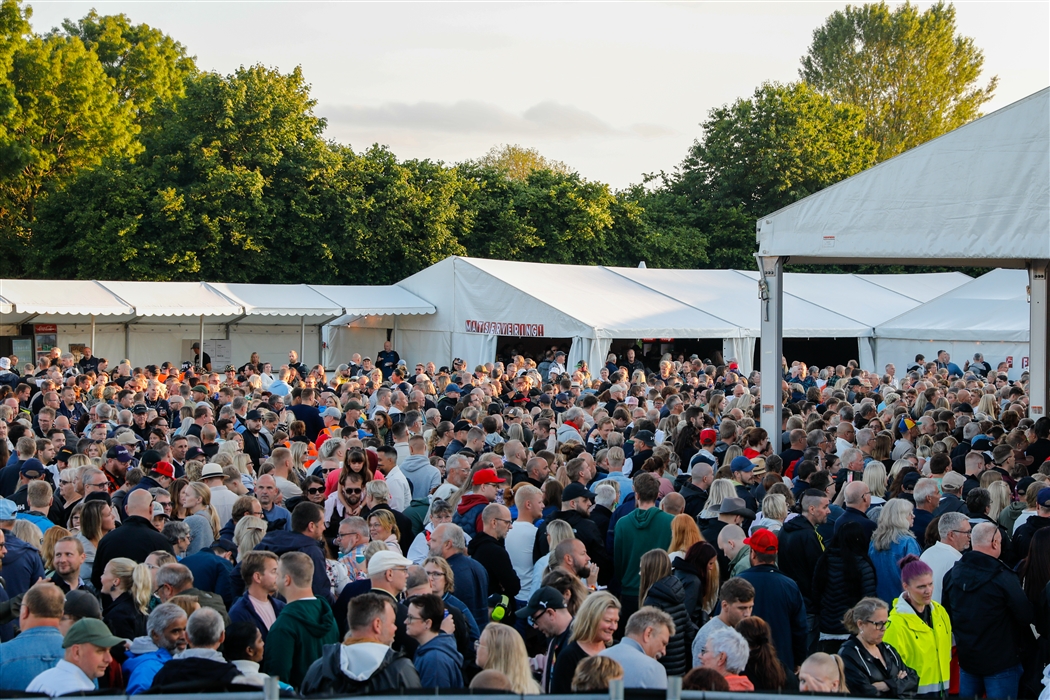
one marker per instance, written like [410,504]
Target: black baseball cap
[576,490]
[546,598]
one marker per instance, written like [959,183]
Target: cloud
[546,119]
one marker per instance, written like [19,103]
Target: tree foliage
[120,160]
[907,70]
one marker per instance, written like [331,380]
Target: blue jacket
[474,633]
[28,655]
[438,663]
[141,669]
[887,569]
[472,586]
[211,573]
[280,542]
[778,601]
[22,566]
[244,611]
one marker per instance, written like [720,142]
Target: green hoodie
[636,533]
[296,639]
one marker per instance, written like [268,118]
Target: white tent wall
[901,352]
[743,349]
[272,343]
[360,336]
[109,340]
[424,346]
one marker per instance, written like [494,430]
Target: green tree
[518,162]
[67,119]
[910,73]
[229,189]
[758,155]
[147,66]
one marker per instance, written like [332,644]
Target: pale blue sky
[613,89]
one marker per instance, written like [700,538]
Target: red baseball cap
[763,541]
[164,469]
[487,476]
[708,435]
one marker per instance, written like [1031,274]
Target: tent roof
[993,307]
[360,300]
[614,305]
[289,304]
[977,195]
[72,301]
[922,286]
[171,301]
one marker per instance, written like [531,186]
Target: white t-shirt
[63,679]
[519,543]
[400,491]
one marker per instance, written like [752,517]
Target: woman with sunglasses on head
[874,668]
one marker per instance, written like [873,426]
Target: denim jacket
[28,655]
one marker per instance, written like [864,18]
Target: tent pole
[771,292]
[202,341]
[127,341]
[320,345]
[1039,337]
[302,338]
[92,334]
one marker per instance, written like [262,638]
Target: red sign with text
[521,330]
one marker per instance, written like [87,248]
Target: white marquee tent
[154,321]
[988,315]
[976,196]
[478,301]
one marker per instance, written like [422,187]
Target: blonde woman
[96,519]
[502,649]
[47,547]
[720,490]
[891,542]
[242,462]
[129,586]
[383,528]
[592,631]
[557,532]
[1000,494]
[875,479]
[201,518]
[988,406]
[249,532]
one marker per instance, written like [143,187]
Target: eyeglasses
[876,625]
[256,514]
[315,490]
[535,618]
[413,618]
[503,520]
[963,532]
[435,574]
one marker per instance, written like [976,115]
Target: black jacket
[852,515]
[196,676]
[281,541]
[668,595]
[840,580]
[691,584]
[1022,539]
[800,550]
[585,531]
[492,554]
[863,671]
[134,539]
[326,678]
[600,516]
[949,504]
[990,614]
[695,498]
[779,603]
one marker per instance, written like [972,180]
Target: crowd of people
[524,527]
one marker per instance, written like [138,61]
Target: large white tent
[977,196]
[154,321]
[478,301]
[988,315]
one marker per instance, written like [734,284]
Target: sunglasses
[352,490]
[315,490]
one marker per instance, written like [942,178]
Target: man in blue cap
[743,470]
[21,563]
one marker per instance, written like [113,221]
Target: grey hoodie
[422,476]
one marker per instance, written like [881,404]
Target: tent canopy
[978,195]
[72,301]
[173,301]
[280,304]
[356,301]
[993,307]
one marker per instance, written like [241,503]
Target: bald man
[857,501]
[135,538]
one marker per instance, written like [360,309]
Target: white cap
[386,560]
